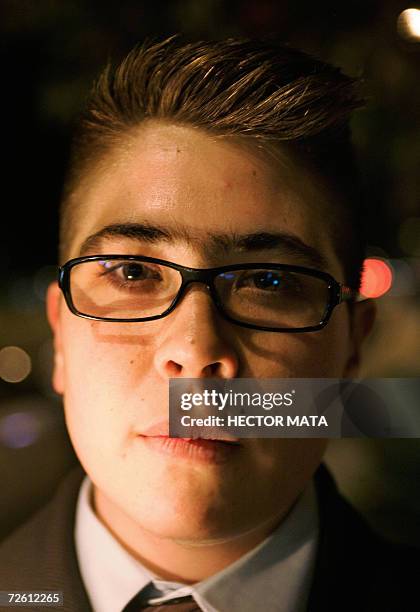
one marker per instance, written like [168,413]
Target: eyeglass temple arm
[348,294]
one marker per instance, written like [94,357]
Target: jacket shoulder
[356,568]
[40,554]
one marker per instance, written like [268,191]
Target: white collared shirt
[275,575]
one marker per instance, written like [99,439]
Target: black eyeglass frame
[337,292]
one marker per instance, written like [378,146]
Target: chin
[188,515]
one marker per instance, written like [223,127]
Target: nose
[194,342]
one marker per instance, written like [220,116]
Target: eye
[266,280]
[135,271]
[130,271]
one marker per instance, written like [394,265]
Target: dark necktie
[177,604]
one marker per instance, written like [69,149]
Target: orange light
[376,278]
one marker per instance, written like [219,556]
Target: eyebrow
[212,243]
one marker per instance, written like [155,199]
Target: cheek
[320,354]
[106,370]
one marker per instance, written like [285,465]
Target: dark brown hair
[261,91]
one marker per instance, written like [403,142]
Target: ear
[362,318]
[53,300]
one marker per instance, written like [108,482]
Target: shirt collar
[277,572]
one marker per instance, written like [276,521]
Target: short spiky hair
[259,90]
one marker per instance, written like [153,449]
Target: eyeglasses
[263,296]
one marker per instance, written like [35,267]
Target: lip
[161,429]
[198,449]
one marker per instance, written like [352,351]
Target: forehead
[197,186]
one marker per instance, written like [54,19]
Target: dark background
[50,52]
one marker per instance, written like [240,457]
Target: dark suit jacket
[355,569]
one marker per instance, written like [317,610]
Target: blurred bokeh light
[409,24]
[376,278]
[19,429]
[15,364]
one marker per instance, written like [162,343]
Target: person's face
[114,376]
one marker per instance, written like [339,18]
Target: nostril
[212,368]
[173,368]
